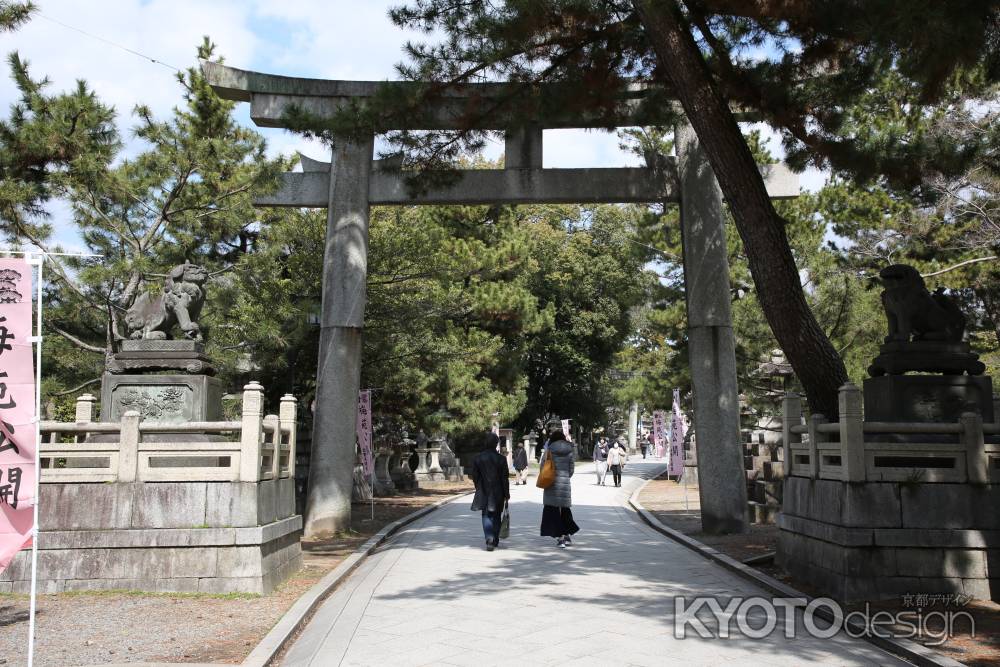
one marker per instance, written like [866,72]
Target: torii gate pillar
[338,377]
[711,348]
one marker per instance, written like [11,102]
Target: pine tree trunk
[816,362]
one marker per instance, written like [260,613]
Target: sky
[335,39]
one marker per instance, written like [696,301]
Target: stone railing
[255,448]
[839,450]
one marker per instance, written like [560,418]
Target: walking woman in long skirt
[557,515]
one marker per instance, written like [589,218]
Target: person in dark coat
[557,515]
[520,460]
[492,479]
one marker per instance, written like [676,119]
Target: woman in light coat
[617,456]
[557,515]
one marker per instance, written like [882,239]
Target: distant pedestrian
[617,456]
[520,464]
[601,460]
[492,479]
[557,515]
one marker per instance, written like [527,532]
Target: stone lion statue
[914,312]
[152,317]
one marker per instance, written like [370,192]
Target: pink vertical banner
[365,431]
[677,431]
[565,430]
[659,432]
[17,410]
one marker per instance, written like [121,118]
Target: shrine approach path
[432,595]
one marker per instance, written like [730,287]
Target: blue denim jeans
[491,526]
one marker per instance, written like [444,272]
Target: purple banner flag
[659,432]
[677,430]
[365,431]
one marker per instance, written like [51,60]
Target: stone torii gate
[353,181]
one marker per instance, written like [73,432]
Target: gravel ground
[76,629]
[669,503]
[100,628]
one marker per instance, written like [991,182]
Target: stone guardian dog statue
[152,317]
[913,312]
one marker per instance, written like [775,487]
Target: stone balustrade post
[128,447]
[791,415]
[274,439]
[251,432]
[288,416]
[976,460]
[815,437]
[85,408]
[852,433]
[996,409]
[84,415]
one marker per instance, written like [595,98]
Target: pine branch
[958,266]
[14,14]
[77,342]
[77,387]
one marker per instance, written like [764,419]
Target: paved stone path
[434,596]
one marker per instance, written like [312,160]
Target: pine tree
[706,54]
[187,195]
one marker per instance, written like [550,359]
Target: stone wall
[880,540]
[215,537]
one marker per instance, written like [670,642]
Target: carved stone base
[140,356]
[174,399]
[927,398]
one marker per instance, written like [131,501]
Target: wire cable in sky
[108,41]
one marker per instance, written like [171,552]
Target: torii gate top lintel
[523,180]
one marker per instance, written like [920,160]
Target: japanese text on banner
[659,431]
[365,430]
[17,410]
[677,430]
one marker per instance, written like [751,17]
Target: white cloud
[167,30]
[585,148]
[333,40]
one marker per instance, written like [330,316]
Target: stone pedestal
[399,466]
[450,464]
[898,357]
[384,485]
[161,355]
[189,537]
[927,398]
[880,540]
[429,469]
[172,399]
